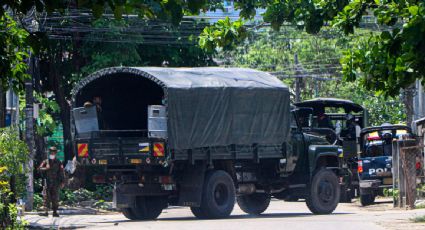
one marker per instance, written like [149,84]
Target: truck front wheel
[254,204]
[324,192]
[218,196]
[147,208]
[367,199]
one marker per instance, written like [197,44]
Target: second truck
[200,137]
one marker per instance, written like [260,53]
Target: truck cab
[340,122]
[375,159]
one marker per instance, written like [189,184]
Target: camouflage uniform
[54,178]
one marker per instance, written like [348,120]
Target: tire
[324,192]
[148,208]
[345,195]
[367,199]
[128,213]
[218,196]
[292,199]
[197,212]
[254,204]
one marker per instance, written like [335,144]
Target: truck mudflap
[190,193]
[124,194]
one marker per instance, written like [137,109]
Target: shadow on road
[232,217]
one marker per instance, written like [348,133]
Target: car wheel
[254,204]
[324,192]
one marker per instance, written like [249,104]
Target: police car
[375,159]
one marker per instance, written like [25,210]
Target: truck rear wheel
[254,204]
[147,208]
[367,199]
[128,213]
[218,196]
[324,192]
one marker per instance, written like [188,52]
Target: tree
[318,55]
[388,60]
[13,154]
[63,62]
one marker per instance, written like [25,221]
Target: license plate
[136,161]
[103,162]
[388,181]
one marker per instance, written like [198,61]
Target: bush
[418,219]
[13,155]
[38,201]
[103,192]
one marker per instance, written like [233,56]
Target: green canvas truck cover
[212,106]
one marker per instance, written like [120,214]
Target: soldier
[54,180]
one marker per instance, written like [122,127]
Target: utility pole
[29,134]
[298,79]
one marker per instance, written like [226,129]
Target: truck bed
[125,147]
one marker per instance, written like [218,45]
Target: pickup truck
[375,159]
[202,138]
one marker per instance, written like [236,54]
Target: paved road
[280,215]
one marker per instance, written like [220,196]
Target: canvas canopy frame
[212,106]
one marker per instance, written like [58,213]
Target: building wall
[419,101]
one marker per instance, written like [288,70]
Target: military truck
[340,122]
[202,138]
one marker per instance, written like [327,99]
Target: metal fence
[408,173]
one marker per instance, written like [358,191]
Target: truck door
[295,147]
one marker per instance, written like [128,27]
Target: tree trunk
[408,96]
[55,79]
[2,107]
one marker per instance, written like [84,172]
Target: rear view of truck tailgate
[121,150]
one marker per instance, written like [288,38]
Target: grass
[420,206]
[418,219]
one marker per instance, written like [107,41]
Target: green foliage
[69,197]
[13,155]
[100,204]
[13,53]
[386,62]
[13,151]
[225,34]
[46,123]
[418,219]
[101,54]
[389,192]
[274,52]
[103,192]
[38,201]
